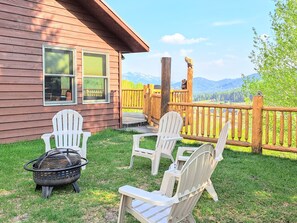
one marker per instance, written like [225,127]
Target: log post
[149,103]
[257,124]
[165,84]
[189,62]
[144,105]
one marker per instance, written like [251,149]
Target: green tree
[275,58]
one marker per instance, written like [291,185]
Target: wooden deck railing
[141,98]
[132,98]
[204,122]
[280,129]
[256,126]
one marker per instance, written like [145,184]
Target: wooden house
[60,54]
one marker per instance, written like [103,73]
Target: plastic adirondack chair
[181,159]
[156,206]
[168,133]
[67,131]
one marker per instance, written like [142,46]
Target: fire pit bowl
[56,167]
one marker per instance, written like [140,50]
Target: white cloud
[227,23]
[159,54]
[185,52]
[178,38]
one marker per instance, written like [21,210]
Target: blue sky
[216,34]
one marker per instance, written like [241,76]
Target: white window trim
[59,103]
[107,77]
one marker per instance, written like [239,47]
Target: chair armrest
[219,158]
[182,150]
[169,178]
[136,138]
[144,135]
[145,196]
[172,138]
[86,134]
[46,138]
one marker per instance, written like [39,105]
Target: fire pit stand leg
[75,187]
[46,191]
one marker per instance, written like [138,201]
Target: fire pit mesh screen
[56,167]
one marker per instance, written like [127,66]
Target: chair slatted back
[194,176]
[169,126]
[67,126]
[222,141]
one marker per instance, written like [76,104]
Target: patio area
[251,188]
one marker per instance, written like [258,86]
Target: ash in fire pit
[55,168]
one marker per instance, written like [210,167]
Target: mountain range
[200,84]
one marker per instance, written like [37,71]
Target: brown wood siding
[25,25]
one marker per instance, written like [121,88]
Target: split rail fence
[256,126]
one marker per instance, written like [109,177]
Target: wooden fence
[256,125]
[148,99]
[132,98]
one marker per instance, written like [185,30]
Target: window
[95,77]
[59,76]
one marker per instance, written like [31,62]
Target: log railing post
[189,62]
[257,124]
[165,84]
[149,103]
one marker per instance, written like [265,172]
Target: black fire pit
[56,167]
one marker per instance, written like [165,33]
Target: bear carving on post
[184,84]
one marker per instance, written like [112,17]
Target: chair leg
[210,189]
[131,161]
[155,165]
[191,219]
[121,216]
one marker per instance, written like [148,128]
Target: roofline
[129,36]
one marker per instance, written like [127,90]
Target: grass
[251,188]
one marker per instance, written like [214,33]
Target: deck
[137,122]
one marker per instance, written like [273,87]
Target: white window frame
[107,77]
[74,76]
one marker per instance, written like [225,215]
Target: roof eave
[116,25]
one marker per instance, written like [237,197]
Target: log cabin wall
[25,25]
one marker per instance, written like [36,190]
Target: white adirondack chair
[181,159]
[168,133]
[156,206]
[67,131]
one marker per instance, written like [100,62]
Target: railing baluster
[221,118]
[233,124]
[193,120]
[296,132]
[289,129]
[267,128]
[187,120]
[202,121]
[227,115]
[208,121]
[197,121]
[239,125]
[281,138]
[214,122]
[274,128]
[247,127]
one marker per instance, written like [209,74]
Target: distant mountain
[203,85]
[200,85]
[141,78]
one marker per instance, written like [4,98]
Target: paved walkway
[133,121]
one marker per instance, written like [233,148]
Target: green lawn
[251,188]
